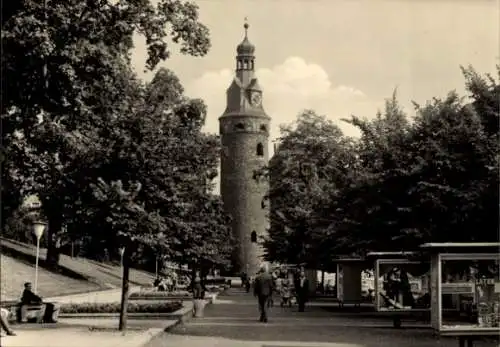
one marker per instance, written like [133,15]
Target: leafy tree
[434,179]
[402,183]
[65,71]
[371,209]
[129,224]
[309,168]
[160,144]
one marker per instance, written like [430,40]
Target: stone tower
[244,130]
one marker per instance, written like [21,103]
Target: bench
[38,313]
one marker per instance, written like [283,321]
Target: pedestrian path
[82,337]
[170,340]
[102,296]
[232,321]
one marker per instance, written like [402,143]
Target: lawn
[18,267]
[15,273]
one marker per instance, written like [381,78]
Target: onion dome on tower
[245,47]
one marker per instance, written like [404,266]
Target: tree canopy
[84,134]
[404,182]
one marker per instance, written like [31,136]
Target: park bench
[37,313]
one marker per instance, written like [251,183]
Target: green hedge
[148,295]
[157,307]
[216,281]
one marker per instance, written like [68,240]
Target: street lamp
[38,229]
[122,251]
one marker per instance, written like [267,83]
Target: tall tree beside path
[310,167]
[65,72]
[431,178]
[405,181]
[161,145]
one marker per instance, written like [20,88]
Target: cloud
[289,88]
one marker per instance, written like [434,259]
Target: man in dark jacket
[263,289]
[302,290]
[29,298]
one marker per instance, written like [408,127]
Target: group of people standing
[265,284]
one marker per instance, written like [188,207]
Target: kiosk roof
[464,247]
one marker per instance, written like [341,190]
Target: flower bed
[157,295]
[159,307]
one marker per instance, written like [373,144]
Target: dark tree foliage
[65,78]
[402,183]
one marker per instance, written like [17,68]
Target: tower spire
[245,52]
[246,26]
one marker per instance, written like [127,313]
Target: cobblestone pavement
[233,321]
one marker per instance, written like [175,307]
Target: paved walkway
[78,337]
[103,296]
[232,321]
[86,332]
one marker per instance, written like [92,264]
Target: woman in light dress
[286,292]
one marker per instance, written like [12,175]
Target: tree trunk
[125,289]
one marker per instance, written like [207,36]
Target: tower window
[263,127]
[260,150]
[253,237]
[240,126]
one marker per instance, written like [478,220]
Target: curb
[117,315]
[187,315]
[183,314]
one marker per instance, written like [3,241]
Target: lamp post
[156,267]
[38,229]
[122,251]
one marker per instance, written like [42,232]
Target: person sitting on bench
[4,315]
[31,299]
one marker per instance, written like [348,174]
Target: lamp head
[39,228]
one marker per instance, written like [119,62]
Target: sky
[338,57]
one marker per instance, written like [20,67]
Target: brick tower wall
[241,193]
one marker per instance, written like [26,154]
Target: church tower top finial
[246,26]
[245,47]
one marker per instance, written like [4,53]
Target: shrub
[152,295]
[216,281]
[89,307]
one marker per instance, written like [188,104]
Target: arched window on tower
[253,237]
[240,126]
[260,150]
[263,128]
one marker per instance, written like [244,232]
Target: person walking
[302,290]
[263,289]
[198,288]
[286,292]
[4,322]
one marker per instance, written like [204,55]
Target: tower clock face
[255,99]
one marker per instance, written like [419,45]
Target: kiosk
[402,284]
[348,280]
[465,290]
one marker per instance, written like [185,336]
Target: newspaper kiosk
[401,284]
[348,280]
[465,290]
